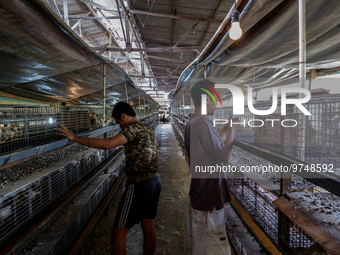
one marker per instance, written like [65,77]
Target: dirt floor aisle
[170,223]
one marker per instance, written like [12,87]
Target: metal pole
[66,12]
[127,30]
[110,40]
[139,102]
[56,7]
[183,104]
[126,93]
[142,64]
[302,72]
[104,92]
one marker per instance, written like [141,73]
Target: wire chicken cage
[21,207]
[28,126]
[315,140]
[258,201]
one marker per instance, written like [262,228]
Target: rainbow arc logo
[209,93]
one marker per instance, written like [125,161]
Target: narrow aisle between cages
[170,222]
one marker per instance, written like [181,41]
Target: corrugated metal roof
[43,59]
[268,52]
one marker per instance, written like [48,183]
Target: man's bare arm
[98,143]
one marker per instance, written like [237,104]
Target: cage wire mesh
[315,140]
[257,200]
[20,207]
[235,242]
[27,126]
[85,213]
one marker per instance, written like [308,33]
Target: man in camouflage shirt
[140,198]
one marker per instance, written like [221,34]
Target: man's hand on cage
[65,132]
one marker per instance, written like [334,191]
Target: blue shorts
[139,201]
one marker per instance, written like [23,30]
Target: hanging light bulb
[235,31]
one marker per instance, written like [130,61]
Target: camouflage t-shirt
[140,152]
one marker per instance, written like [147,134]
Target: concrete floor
[170,223]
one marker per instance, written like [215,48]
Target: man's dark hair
[196,92]
[122,107]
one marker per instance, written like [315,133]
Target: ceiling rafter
[187,33]
[95,34]
[209,26]
[170,16]
[191,48]
[168,59]
[173,23]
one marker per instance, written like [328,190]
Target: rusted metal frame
[166,68]
[308,225]
[170,60]
[125,57]
[174,70]
[101,51]
[209,26]
[101,7]
[170,16]
[133,23]
[78,22]
[91,18]
[121,21]
[165,44]
[173,24]
[168,86]
[215,14]
[78,13]
[240,4]
[152,49]
[127,30]
[65,8]
[156,77]
[187,33]
[142,64]
[98,22]
[56,7]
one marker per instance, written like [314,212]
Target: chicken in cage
[10,132]
[94,119]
